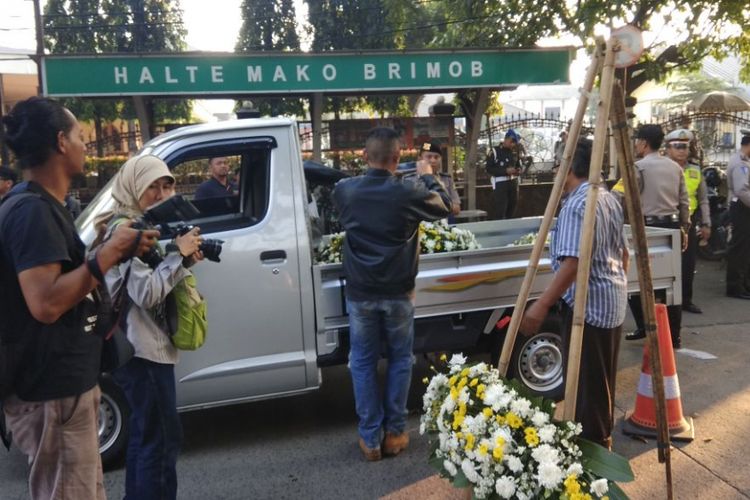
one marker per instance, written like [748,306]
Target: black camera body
[168,217]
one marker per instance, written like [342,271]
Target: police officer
[504,167]
[665,204]
[678,149]
[738,262]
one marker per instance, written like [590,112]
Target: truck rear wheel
[114,418]
[537,362]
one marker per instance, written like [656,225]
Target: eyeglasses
[679,145]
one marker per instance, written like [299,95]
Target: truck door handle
[273,256]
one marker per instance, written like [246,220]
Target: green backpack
[186,313]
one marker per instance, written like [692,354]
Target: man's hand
[423,168]
[533,319]
[705,233]
[684,239]
[121,244]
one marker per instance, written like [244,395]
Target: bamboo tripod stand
[610,108]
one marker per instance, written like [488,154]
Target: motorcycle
[715,248]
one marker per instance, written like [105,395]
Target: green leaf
[603,463]
[460,480]
[616,493]
[436,463]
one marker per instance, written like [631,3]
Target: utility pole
[39,44]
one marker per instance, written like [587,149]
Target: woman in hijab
[148,378]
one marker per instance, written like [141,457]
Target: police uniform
[738,260]
[445,179]
[504,185]
[665,204]
[697,198]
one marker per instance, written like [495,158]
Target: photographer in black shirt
[45,284]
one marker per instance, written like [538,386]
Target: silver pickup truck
[276,317]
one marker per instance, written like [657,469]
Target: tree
[147,26]
[270,25]
[689,86]
[106,26]
[355,25]
[76,27]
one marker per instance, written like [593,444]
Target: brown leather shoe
[395,443]
[371,454]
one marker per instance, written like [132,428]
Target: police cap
[512,134]
[432,147]
[680,134]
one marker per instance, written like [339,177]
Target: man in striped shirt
[607,295]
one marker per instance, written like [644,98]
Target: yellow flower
[487,413]
[452,380]
[497,452]
[462,409]
[462,383]
[473,382]
[425,381]
[454,394]
[443,357]
[500,419]
[470,441]
[465,372]
[513,420]
[459,435]
[480,390]
[458,419]
[572,487]
[532,439]
[483,449]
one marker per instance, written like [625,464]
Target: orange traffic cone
[642,421]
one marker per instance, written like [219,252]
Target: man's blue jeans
[375,327]
[155,430]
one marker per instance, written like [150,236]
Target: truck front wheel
[537,362]
[114,418]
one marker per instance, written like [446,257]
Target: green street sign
[281,73]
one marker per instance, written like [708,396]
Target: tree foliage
[116,26]
[355,25]
[270,25]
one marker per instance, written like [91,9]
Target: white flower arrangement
[526,239]
[486,435]
[434,237]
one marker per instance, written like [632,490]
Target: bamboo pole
[549,212]
[632,200]
[587,235]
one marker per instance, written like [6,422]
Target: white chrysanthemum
[450,467]
[521,407]
[514,463]
[464,396]
[468,469]
[422,428]
[600,487]
[492,394]
[505,487]
[457,360]
[539,418]
[575,468]
[550,475]
[547,433]
[477,369]
[545,454]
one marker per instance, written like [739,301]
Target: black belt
[661,219]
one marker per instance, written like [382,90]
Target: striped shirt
[607,295]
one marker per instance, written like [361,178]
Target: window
[228,183]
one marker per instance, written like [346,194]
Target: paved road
[305,447]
